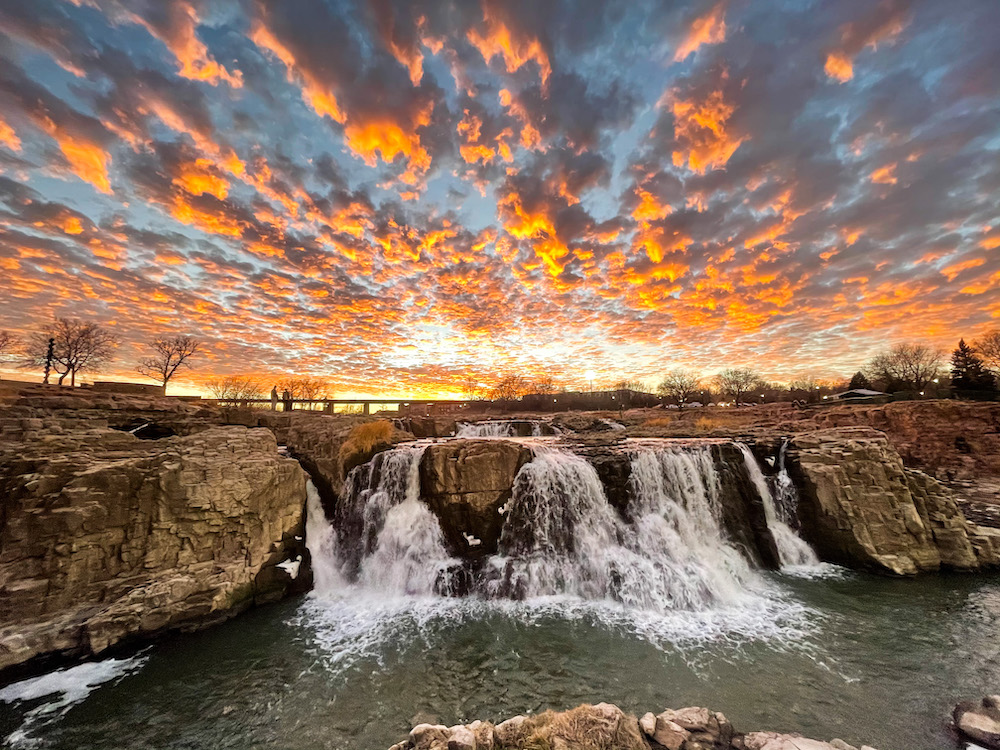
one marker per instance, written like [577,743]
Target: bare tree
[169,355]
[906,367]
[625,389]
[78,347]
[305,388]
[8,344]
[544,386]
[509,388]
[236,388]
[988,349]
[471,389]
[679,385]
[736,383]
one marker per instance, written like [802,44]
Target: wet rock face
[606,727]
[106,538]
[743,514]
[466,483]
[861,507]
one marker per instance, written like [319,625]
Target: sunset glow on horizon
[400,194]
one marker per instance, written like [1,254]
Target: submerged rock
[606,727]
[107,538]
[980,723]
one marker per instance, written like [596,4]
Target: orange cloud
[700,128]
[884,23]
[885,175]
[536,226]
[72,225]
[192,54]
[87,160]
[389,140]
[8,137]
[709,28]
[198,177]
[318,96]
[516,49]
[530,137]
[963,265]
[839,66]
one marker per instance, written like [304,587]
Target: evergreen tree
[859,381]
[968,373]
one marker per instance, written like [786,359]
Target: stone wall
[105,538]
[859,506]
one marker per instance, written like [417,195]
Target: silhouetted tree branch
[169,355]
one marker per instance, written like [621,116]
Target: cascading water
[793,551]
[660,567]
[496,428]
[401,547]
[562,536]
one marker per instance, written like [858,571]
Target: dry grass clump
[363,441]
[582,728]
[660,421]
[707,424]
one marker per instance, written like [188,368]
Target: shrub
[364,441]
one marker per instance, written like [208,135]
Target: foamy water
[64,688]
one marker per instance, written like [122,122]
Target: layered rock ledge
[861,507]
[606,727]
[107,539]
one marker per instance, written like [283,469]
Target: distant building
[856,393]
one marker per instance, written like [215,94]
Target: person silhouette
[274,398]
[286,397]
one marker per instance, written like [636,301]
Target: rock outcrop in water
[105,538]
[980,723]
[861,507]
[606,727]
[466,483]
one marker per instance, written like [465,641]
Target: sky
[399,194]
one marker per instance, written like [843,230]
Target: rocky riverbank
[107,539]
[606,727]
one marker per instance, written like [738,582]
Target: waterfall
[792,549]
[676,510]
[498,428]
[562,537]
[321,541]
[398,546]
[494,429]
[666,550]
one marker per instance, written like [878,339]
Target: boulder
[980,723]
[106,538]
[775,741]
[466,483]
[607,727]
[860,507]
[429,737]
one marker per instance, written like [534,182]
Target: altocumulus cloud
[398,193]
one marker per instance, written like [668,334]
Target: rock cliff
[606,727]
[859,506]
[106,538]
